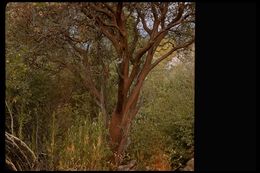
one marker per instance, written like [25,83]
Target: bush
[163,132]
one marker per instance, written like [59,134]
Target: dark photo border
[225,86]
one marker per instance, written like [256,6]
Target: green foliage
[54,113]
[17,91]
[165,123]
[85,146]
[68,130]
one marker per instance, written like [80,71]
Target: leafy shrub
[162,134]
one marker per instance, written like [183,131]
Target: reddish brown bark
[115,130]
[131,82]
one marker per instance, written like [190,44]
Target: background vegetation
[51,111]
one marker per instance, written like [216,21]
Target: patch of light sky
[172,9]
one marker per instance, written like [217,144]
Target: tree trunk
[119,130]
[115,130]
[122,116]
[118,137]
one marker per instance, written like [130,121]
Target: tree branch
[163,9]
[155,14]
[170,52]
[135,40]
[11,116]
[178,18]
[108,25]
[86,77]
[111,37]
[110,8]
[99,9]
[141,15]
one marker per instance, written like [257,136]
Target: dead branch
[19,156]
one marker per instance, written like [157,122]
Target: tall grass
[85,146]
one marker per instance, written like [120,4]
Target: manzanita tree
[87,37]
[157,20]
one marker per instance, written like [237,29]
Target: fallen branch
[19,156]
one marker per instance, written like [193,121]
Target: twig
[12,121]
